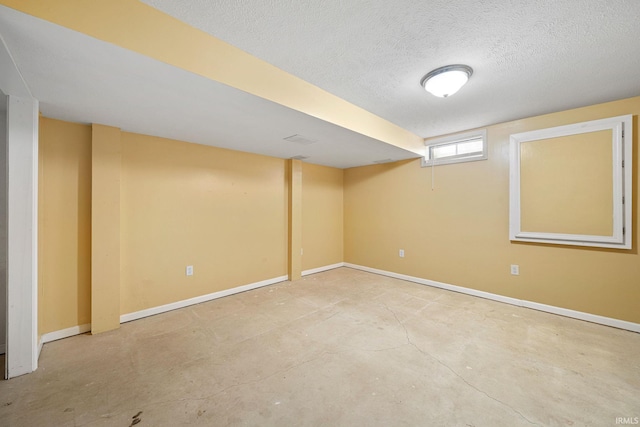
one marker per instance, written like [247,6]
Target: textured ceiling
[529,57]
[81,79]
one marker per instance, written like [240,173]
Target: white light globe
[446,83]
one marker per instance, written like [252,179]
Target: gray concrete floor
[339,348]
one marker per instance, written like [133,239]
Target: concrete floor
[339,348]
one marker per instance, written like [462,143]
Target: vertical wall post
[295,218]
[22,236]
[106,160]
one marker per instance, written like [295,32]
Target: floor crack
[453,371]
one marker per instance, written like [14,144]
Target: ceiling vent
[383,161]
[299,157]
[300,139]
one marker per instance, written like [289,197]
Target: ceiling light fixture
[447,80]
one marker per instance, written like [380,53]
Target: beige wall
[106,165]
[566,184]
[459,232]
[64,235]
[322,213]
[222,211]
[225,213]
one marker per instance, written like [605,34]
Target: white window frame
[622,137]
[458,138]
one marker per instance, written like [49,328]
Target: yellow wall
[566,184]
[64,234]
[459,233]
[106,154]
[225,213]
[222,211]
[294,175]
[322,213]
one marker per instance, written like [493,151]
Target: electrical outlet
[515,269]
[401,253]
[189,270]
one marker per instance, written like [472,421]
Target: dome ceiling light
[447,80]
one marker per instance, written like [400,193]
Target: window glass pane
[468,147]
[473,146]
[444,151]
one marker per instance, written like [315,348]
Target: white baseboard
[580,315]
[81,329]
[197,300]
[602,320]
[321,269]
[616,323]
[65,333]
[3,348]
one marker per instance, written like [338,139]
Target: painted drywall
[458,233]
[3,226]
[64,235]
[322,216]
[223,212]
[294,178]
[580,202]
[106,161]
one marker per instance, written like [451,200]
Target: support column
[22,236]
[105,228]
[295,218]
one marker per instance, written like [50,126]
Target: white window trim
[460,137]
[621,237]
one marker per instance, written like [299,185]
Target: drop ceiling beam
[138,27]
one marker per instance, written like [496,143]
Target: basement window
[467,147]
